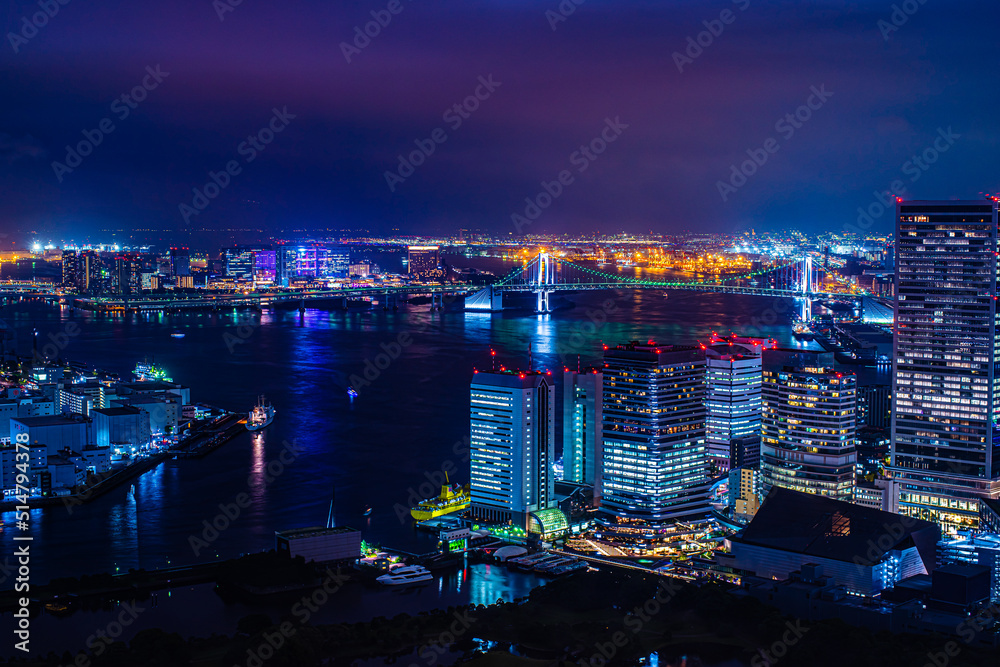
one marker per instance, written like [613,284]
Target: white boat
[260,416]
[409,574]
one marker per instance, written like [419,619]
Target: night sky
[605,66]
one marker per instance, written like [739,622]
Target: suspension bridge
[545,274]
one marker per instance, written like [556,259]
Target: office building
[512,423]
[239,263]
[733,403]
[338,261]
[973,549]
[582,430]
[875,406]
[361,270]
[422,259]
[945,448]
[744,493]
[265,266]
[745,452]
[126,280]
[808,431]
[180,262]
[654,460]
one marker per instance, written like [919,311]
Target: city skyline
[592,332]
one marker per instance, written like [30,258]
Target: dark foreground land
[593,618]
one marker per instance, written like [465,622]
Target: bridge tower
[546,276]
[807,286]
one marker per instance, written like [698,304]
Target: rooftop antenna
[529,357]
[578,364]
[329,516]
[493,355]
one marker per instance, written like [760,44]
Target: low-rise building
[56,432]
[861,549]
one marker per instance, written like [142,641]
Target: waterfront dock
[209,437]
[104,483]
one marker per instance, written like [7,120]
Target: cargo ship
[452,499]
[260,416]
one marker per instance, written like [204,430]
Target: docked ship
[409,574]
[260,416]
[801,331]
[452,499]
[147,371]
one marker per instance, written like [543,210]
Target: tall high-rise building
[733,402]
[808,430]
[338,261]
[422,259]
[70,268]
[512,424]
[875,406]
[90,272]
[180,262]
[264,266]
[654,463]
[240,262]
[127,277]
[582,428]
[945,443]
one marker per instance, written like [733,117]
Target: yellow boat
[451,500]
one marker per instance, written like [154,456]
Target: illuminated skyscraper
[654,459]
[70,268]
[945,446]
[512,423]
[808,440]
[733,401]
[581,428]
